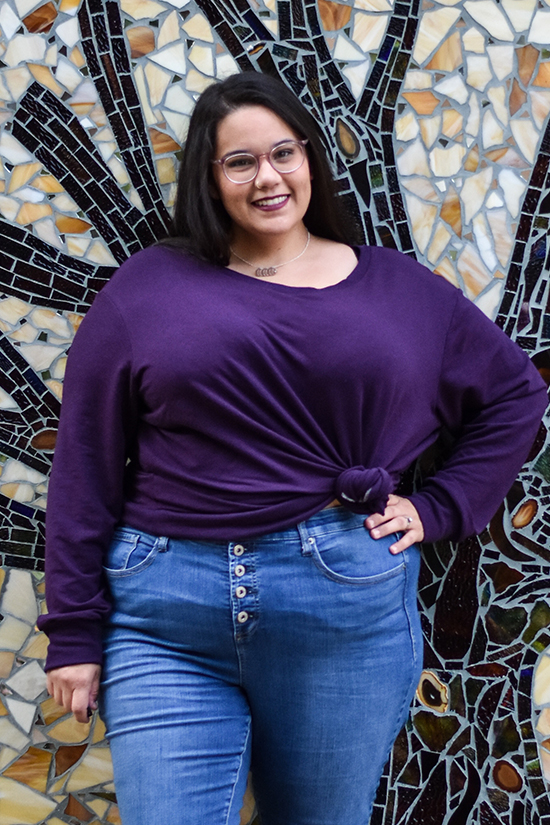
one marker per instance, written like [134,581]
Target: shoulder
[406,279]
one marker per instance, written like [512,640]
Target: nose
[266,175]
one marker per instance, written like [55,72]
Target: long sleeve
[86,486]
[492,399]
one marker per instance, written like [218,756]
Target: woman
[233,410]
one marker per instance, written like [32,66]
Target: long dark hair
[200,224]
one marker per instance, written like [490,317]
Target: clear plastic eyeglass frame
[242,167]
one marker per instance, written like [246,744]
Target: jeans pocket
[130,552]
[353,557]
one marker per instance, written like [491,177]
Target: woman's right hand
[75,688]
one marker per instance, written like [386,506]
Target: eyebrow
[250,152]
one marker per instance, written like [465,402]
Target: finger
[398,524]
[409,538]
[80,704]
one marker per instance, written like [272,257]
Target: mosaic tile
[440,124]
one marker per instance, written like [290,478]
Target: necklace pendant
[265,271]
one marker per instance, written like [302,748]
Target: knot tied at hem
[364,490]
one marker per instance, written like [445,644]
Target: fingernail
[376,534]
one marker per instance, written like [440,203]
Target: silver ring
[409,519]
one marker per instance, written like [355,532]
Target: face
[273,203]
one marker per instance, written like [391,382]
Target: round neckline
[356,274]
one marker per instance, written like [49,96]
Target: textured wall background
[437,123]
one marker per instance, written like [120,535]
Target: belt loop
[163,544]
[305,539]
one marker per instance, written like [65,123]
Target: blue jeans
[295,654]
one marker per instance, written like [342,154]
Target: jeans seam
[243,751]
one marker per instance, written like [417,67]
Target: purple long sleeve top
[202,403]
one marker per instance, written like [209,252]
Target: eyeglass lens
[284,158]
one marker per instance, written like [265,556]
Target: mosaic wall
[438,122]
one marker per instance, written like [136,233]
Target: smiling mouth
[274,201]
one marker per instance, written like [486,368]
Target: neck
[270,249]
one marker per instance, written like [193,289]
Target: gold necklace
[268,271]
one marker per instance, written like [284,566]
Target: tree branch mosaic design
[436,119]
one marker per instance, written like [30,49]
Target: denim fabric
[295,654]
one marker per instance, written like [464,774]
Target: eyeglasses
[285,157]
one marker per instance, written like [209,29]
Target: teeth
[271,201]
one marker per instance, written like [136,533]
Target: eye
[237,162]
[284,153]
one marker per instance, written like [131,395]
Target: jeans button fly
[240,592]
[240,570]
[242,617]
[238,550]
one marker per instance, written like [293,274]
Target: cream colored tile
[526,137]
[543,723]
[473,41]
[46,231]
[452,123]
[95,768]
[414,161]
[449,55]
[9,21]
[37,647]
[142,9]
[484,242]
[22,174]
[520,12]
[415,79]
[29,681]
[473,192]
[7,755]
[421,220]
[13,309]
[488,14]
[13,633]
[169,30]
[69,731]
[369,30]
[139,78]
[7,402]
[494,201]
[406,127]
[17,80]
[40,356]
[503,240]
[490,299]
[446,269]
[17,471]
[99,254]
[120,175]
[502,60]
[197,82]
[357,75]
[473,271]
[158,81]
[58,370]
[22,48]
[13,151]
[492,131]
[172,58]
[179,124]
[18,491]
[453,87]
[18,598]
[447,161]
[68,75]
[434,27]
[541,691]
[422,188]
[225,66]
[50,320]
[198,28]
[430,128]
[540,106]
[22,712]
[540,28]
[497,96]
[26,333]
[478,70]
[22,804]
[441,238]
[345,50]
[12,736]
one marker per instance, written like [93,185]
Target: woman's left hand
[400,516]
